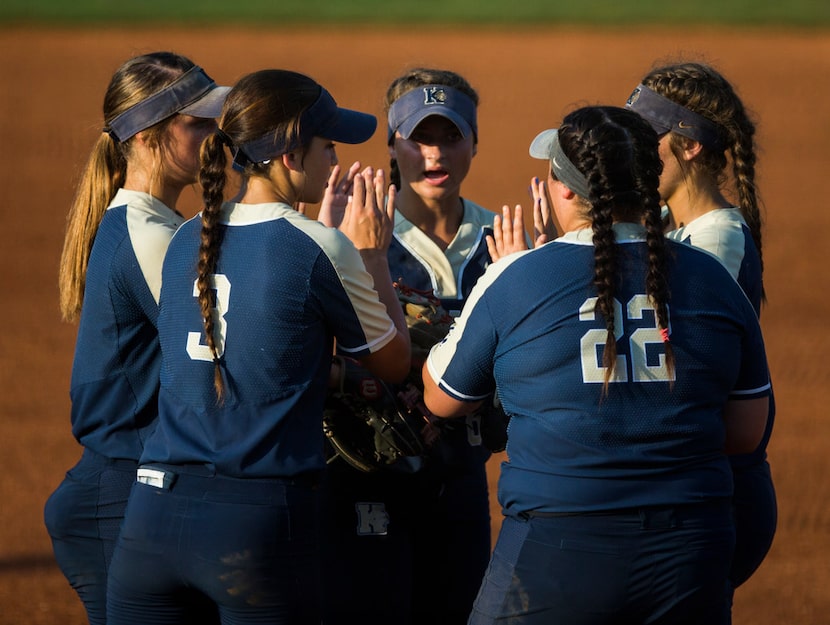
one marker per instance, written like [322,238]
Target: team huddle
[286,419]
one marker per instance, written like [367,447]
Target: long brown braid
[703,90]
[268,101]
[418,77]
[616,150]
[212,178]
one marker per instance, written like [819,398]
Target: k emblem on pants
[372,519]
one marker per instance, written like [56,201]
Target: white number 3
[195,348]
[638,341]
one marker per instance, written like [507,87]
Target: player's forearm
[378,267]
[745,422]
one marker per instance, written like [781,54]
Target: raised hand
[368,222]
[544,229]
[369,215]
[508,231]
[336,195]
[508,234]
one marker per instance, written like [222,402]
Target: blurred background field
[805,13]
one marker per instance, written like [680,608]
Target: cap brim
[411,123]
[351,127]
[540,147]
[209,105]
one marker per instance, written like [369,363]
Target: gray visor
[664,115]
[193,93]
[546,147]
[416,105]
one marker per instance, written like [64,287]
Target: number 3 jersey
[530,329]
[284,288]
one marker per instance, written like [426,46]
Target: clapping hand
[369,215]
[336,195]
[508,231]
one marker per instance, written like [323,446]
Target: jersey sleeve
[358,318]
[719,234]
[754,378]
[150,236]
[462,364]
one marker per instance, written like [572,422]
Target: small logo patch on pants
[474,430]
[372,518]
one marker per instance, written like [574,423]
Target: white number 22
[640,339]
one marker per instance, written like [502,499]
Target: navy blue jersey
[115,372]
[724,233]
[449,273]
[286,287]
[648,442]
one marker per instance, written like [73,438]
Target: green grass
[398,12]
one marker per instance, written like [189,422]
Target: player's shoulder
[688,255]
[477,215]
[329,240]
[332,243]
[144,210]
[531,266]
[696,271]
[189,230]
[720,225]
[280,215]
[723,233]
[137,224]
[731,215]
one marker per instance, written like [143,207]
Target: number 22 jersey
[530,329]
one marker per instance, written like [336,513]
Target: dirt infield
[52,85]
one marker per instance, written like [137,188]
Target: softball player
[253,296]
[404,526]
[157,109]
[625,383]
[701,119]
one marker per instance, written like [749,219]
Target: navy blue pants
[756,517]
[249,545]
[754,506]
[83,517]
[406,547]
[649,566]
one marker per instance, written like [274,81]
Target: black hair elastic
[240,159]
[224,138]
[111,133]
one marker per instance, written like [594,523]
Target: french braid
[616,150]
[703,90]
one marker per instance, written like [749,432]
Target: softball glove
[365,422]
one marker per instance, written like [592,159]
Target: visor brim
[540,147]
[410,124]
[209,105]
[351,127]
